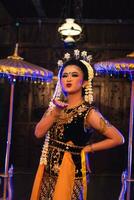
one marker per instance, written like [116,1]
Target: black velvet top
[70,126]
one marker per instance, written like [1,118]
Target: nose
[69,77]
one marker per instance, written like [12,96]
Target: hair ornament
[60,63]
[76,53]
[84,54]
[67,56]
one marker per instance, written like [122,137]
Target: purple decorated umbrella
[13,68]
[122,67]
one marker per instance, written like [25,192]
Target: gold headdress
[85,59]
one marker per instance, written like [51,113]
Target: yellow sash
[37,182]
[65,181]
[84,178]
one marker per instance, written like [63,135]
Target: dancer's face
[72,79]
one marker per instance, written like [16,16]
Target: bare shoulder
[96,120]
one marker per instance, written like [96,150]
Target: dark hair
[79,64]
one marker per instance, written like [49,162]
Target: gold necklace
[67,115]
[72,107]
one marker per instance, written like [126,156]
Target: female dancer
[68,125]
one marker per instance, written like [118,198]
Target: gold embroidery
[54,160]
[68,115]
[62,150]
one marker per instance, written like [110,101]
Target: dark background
[108,32]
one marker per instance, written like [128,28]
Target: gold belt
[65,147]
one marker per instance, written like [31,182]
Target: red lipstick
[68,84]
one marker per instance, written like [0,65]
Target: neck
[74,100]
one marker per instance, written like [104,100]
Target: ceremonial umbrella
[13,68]
[122,67]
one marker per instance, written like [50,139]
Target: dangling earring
[88,96]
[90,91]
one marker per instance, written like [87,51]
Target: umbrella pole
[6,174]
[130,142]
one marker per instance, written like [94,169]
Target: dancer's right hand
[59,104]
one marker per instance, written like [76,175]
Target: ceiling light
[70,28]
[69,39]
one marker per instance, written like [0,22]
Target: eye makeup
[73,74]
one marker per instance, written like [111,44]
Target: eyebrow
[70,72]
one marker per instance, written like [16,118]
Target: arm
[113,136]
[46,122]
[49,118]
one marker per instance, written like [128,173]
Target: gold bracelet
[92,150]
